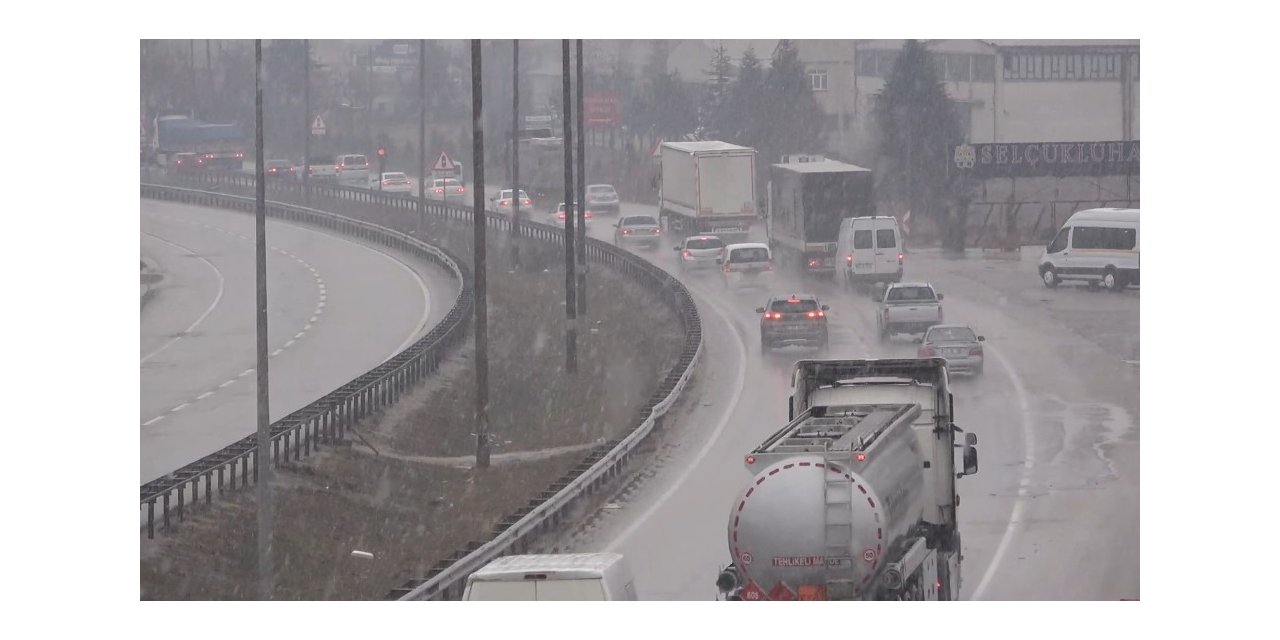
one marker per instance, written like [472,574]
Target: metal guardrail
[326,420]
[446,580]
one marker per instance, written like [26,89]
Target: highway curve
[336,308]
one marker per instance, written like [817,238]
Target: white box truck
[707,187]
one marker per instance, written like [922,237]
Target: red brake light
[504,203]
[626,232]
[751,459]
[562,216]
[773,315]
[926,352]
[528,203]
[861,456]
[438,190]
[975,351]
[586,214]
[462,189]
[793,299]
[899,258]
[813,262]
[686,253]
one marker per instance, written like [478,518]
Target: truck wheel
[1049,276]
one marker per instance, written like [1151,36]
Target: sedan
[502,203]
[955,343]
[603,199]
[279,169]
[556,218]
[448,190]
[637,230]
[395,182]
[698,252]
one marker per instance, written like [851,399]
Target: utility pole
[262,464]
[515,153]
[191,73]
[570,263]
[422,137]
[478,228]
[306,122]
[581,200]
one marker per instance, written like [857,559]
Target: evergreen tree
[719,76]
[742,115]
[794,118]
[918,127]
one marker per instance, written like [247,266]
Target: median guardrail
[515,533]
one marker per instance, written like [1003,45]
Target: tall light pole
[477,225]
[422,136]
[581,199]
[570,260]
[306,122]
[262,465]
[515,153]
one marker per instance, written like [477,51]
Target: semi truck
[218,146]
[855,497]
[707,187]
[808,196]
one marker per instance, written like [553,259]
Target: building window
[818,80]
[1061,66]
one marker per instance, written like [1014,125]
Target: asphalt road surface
[1053,512]
[336,308]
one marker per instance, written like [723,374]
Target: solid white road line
[216,299]
[1028,442]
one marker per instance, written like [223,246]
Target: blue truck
[216,146]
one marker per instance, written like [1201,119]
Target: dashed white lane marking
[299,334]
[289,344]
[276,352]
[153,421]
[204,395]
[245,373]
[179,407]
[313,318]
[227,383]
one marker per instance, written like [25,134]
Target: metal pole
[570,264]
[478,228]
[306,118]
[515,153]
[581,200]
[265,524]
[422,135]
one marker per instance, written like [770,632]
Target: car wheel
[1112,281]
[1050,277]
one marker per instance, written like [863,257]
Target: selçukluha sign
[1056,159]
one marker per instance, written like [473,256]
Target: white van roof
[747,245]
[1104,215]
[567,566]
[822,166]
[870,219]
[705,145]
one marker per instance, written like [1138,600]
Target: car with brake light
[797,319]
[395,182]
[631,231]
[698,252]
[447,190]
[557,217]
[502,203]
[603,199]
[747,265]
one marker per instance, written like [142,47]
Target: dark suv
[795,319]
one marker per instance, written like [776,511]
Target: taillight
[586,214]
[503,203]
[926,352]
[626,232]
[562,216]
[686,254]
[899,259]
[438,190]
[528,203]
[773,315]
[813,262]
[462,189]
[975,351]
[768,267]
[657,232]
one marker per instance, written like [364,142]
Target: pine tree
[742,115]
[794,118]
[918,126]
[719,76]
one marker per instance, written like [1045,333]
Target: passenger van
[352,170]
[745,265]
[568,576]
[869,250]
[1096,246]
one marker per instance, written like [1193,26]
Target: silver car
[603,199]
[698,252]
[957,344]
[634,230]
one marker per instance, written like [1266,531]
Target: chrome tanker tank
[808,518]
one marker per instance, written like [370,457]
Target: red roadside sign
[601,110]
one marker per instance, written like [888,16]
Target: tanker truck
[855,498]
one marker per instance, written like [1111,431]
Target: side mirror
[970,455]
[939,297]
[759,309]
[826,308]
[981,339]
[675,248]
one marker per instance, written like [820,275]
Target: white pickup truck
[908,307]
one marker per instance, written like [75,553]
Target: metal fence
[513,534]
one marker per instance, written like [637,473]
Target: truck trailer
[855,497]
[707,187]
[807,200]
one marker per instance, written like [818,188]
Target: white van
[1097,246]
[745,265]
[869,250]
[567,576]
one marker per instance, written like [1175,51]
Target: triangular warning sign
[443,163]
[781,591]
[317,123]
